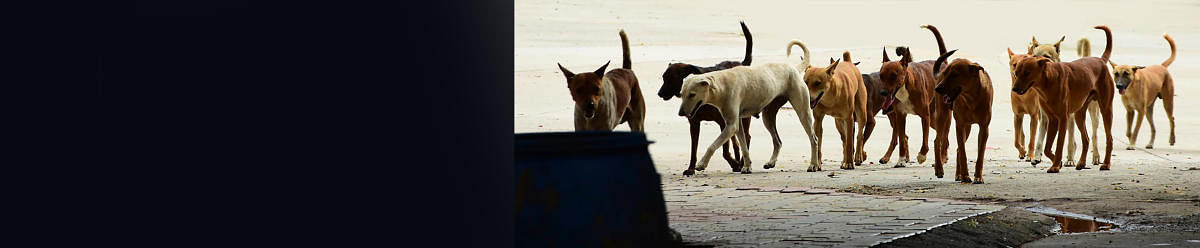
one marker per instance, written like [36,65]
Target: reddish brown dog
[1068,88]
[917,79]
[966,90]
[673,81]
[604,100]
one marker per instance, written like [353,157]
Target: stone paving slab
[751,216]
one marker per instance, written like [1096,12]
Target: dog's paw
[1021,156]
[921,159]
[847,166]
[735,168]
[939,174]
[1104,167]
[1035,162]
[1052,170]
[768,165]
[978,181]
[689,172]
[746,171]
[1070,162]
[883,161]
[1129,148]
[1150,146]
[1081,167]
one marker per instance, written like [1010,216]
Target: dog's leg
[1034,121]
[1070,161]
[1129,126]
[735,163]
[744,142]
[867,129]
[1019,136]
[924,140]
[940,143]
[860,115]
[963,132]
[1043,127]
[818,130]
[1137,128]
[1168,96]
[1083,139]
[1058,129]
[1094,113]
[897,129]
[902,137]
[769,121]
[983,136]
[731,127]
[1106,113]
[1150,120]
[695,131]
[845,130]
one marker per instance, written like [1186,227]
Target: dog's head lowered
[958,74]
[1049,51]
[673,79]
[697,91]
[1123,75]
[818,80]
[585,88]
[893,75]
[1030,71]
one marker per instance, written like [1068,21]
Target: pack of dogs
[1057,97]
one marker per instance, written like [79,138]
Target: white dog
[745,91]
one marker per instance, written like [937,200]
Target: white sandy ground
[582,35]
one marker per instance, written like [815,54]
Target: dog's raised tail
[1172,43]
[937,35]
[1107,42]
[749,43]
[1084,47]
[804,63]
[846,56]
[625,61]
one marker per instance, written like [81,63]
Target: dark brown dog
[1068,88]
[605,100]
[917,79]
[966,90]
[673,80]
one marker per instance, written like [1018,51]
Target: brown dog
[966,91]
[1139,86]
[1068,88]
[605,100]
[673,81]
[917,79]
[838,91]
[1052,51]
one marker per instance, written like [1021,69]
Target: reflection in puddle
[1074,225]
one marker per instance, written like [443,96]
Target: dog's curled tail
[1107,42]
[1084,47]
[804,63]
[749,43]
[1172,43]
[937,35]
[846,56]
[625,61]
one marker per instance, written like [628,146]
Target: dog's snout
[883,92]
[1016,90]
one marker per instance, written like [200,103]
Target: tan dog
[1139,86]
[605,100]
[1068,87]
[1023,105]
[966,89]
[838,91]
[916,78]
[1052,51]
[745,91]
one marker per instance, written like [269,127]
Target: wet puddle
[1073,222]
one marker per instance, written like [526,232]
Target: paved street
[788,217]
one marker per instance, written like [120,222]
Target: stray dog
[605,100]
[1023,105]
[1068,87]
[917,80]
[745,91]
[966,89]
[1139,86]
[1051,51]
[838,91]
[673,81]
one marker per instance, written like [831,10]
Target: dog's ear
[1031,46]
[1136,68]
[1010,53]
[693,69]
[1033,43]
[885,57]
[905,56]
[856,63]
[1113,64]
[832,66]
[1059,44]
[976,67]
[566,72]
[831,60]
[600,72]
